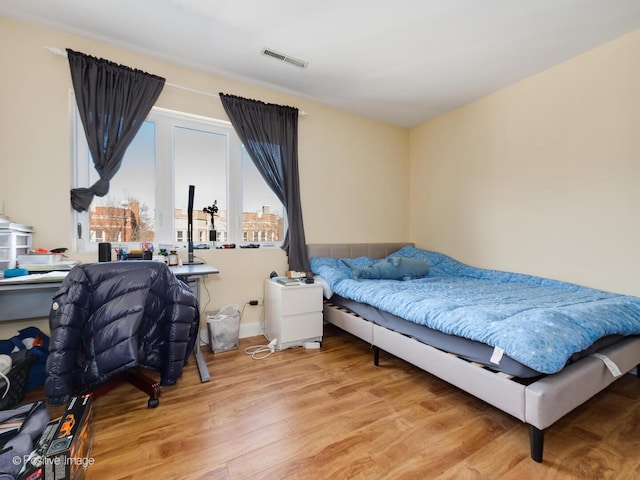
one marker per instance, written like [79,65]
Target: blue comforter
[536,321]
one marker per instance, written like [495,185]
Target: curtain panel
[113,101]
[270,134]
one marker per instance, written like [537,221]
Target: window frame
[165,121]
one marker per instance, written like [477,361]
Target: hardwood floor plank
[331,414]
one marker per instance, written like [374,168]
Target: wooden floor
[330,414]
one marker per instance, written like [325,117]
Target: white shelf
[13,242]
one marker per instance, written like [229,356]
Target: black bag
[37,343]
[18,376]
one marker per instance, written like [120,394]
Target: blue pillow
[331,269]
[392,268]
[358,263]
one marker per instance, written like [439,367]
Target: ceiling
[401,62]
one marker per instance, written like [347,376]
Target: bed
[537,385]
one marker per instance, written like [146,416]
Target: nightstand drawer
[306,325]
[301,299]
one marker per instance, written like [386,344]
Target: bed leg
[376,356]
[536,438]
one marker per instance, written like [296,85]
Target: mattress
[539,322]
[470,350]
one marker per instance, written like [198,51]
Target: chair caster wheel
[153,403]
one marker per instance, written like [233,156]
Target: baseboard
[250,329]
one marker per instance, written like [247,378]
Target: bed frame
[539,404]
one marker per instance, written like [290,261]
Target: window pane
[127,212]
[263,213]
[201,160]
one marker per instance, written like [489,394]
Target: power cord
[265,350]
[5,367]
[204,309]
[6,379]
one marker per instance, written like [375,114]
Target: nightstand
[293,313]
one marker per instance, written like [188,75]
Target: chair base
[136,378]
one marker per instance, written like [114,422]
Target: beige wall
[541,177]
[367,201]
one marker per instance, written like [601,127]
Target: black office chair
[110,320]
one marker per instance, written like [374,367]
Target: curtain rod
[63,53]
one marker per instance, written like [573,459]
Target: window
[263,216]
[148,197]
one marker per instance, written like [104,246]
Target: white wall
[353,171]
[541,177]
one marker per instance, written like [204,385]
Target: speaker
[104,252]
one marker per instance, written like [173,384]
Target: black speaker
[104,252]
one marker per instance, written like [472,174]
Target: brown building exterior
[127,223]
[262,226]
[110,223]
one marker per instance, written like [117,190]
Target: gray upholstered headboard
[352,250]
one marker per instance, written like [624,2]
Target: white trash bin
[224,328]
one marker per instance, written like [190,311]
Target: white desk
[22,298]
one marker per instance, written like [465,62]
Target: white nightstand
[292,314]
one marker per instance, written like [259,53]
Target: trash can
[224,328]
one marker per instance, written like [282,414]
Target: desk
[23,298]
[201,270]
[191,275]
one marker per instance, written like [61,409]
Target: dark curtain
[270,135]
[113,101]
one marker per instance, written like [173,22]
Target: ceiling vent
[284,58]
